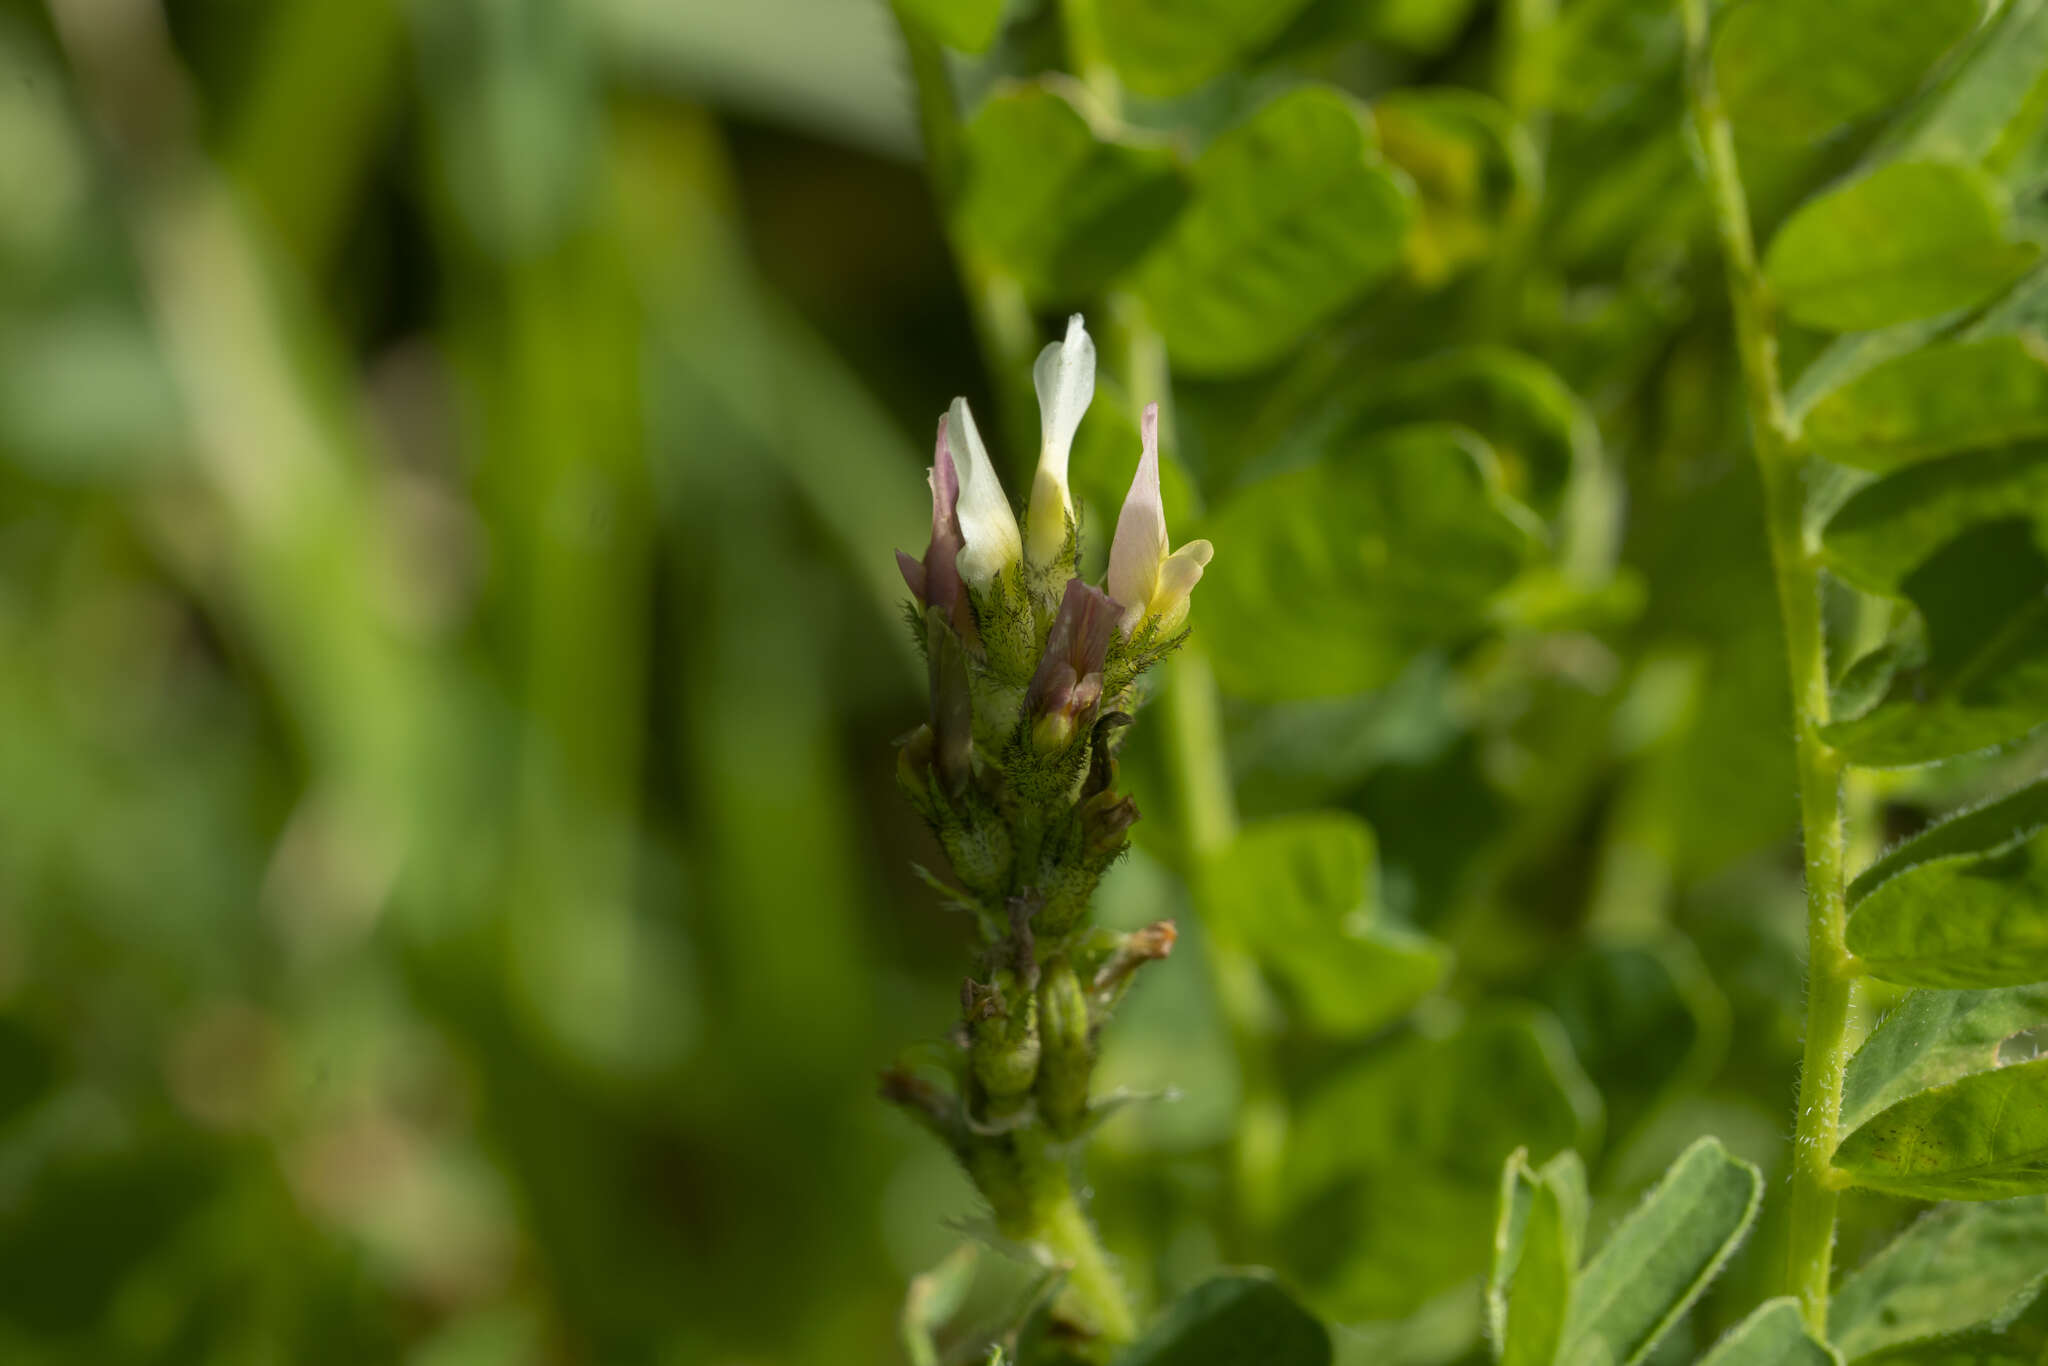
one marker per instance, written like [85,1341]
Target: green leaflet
[1393,1164]
[1229,1321]
[1983,1137]
[1061,201]
[1908,240]
[1645,1020]
[1962,540]
[1340,573]
[1662,1256]
[1932,1039]
[1792,70]
[969,25]
[1474,170]
[1773,1335]
[1944,398]
[1963,905]
[1958,1267]
[1301,894]
[1987,111]
[1165,47]
[1536,1257]
[1294,216]
[1539,430]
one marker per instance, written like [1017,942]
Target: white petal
[987,524]
[1065,379]
[1140,541]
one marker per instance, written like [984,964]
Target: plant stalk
[1830,971]
[1051,1217]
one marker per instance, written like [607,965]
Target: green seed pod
[1068,1050]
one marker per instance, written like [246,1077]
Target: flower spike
[1150,581]
[987,525]
[1065,379]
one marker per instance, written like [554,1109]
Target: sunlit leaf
[1773,1335]
[1932,1039]
[969,25]
[1164,47]
[1057,199]
[1945,398]
[1337,575]
[1294,215]
[1983,1137]
[1535,1292]
[1661,1257]
[1964,905]
[1908,240]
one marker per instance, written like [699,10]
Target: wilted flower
[1065,379]
[1068,684]
[1151,582]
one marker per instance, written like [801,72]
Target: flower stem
[1830,975]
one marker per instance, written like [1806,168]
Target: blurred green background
[454,903]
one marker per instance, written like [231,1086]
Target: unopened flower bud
[1067,686]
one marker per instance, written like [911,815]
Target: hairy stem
[1830,973]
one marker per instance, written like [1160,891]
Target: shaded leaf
[1301,894]
[1956,1268]
[1909,240]
[1961,540]
[1293,217]
[1229,1321]
[1394,1164]
[1663,1255]
[1474,169]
